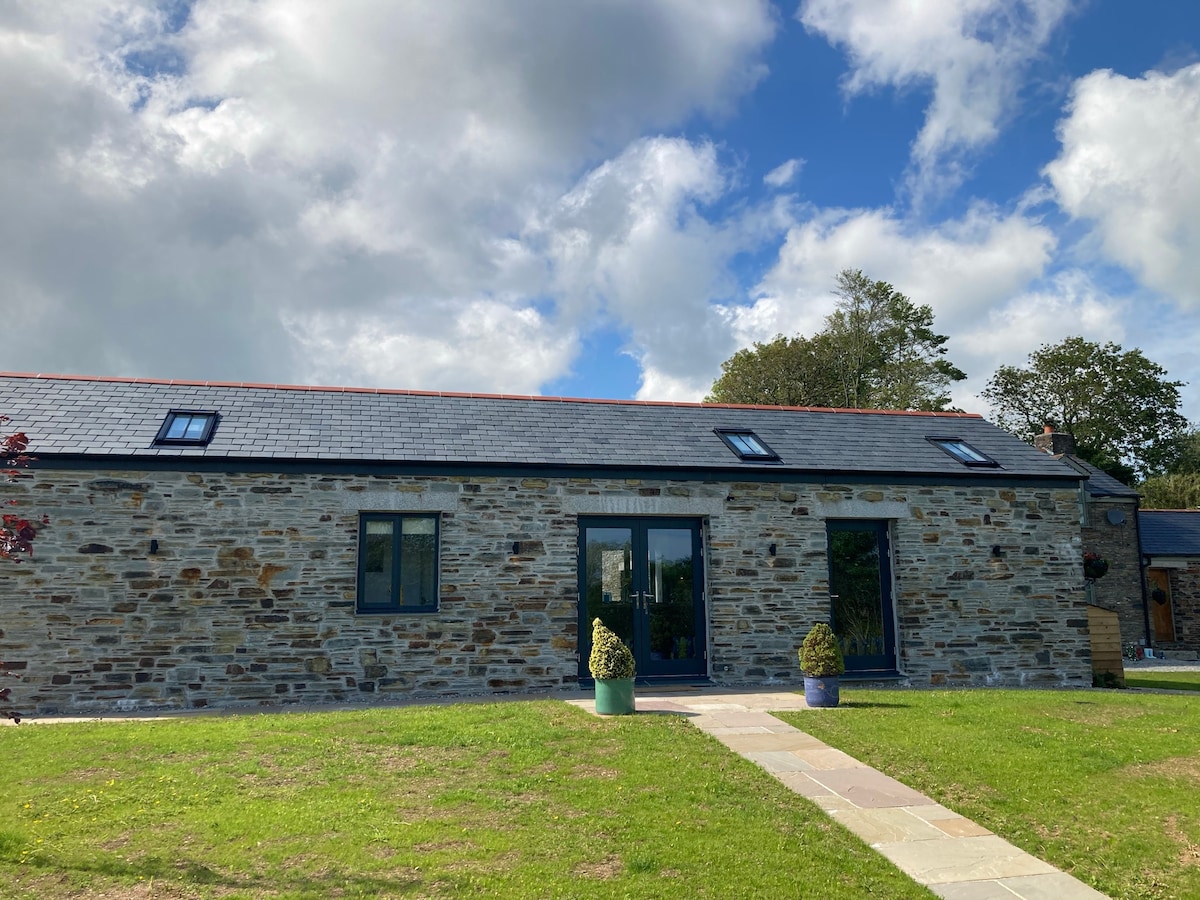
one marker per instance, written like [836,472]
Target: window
[185,427]
[746,444]
[963,452]
[397,562]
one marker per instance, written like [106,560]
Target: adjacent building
[1170,544]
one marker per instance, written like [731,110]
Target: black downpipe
[1137,527]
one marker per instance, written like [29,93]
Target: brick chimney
[1054,442]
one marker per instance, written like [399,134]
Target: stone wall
[1121,589]
[249,597]
[1185,607]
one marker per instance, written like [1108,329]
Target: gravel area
[1161,665]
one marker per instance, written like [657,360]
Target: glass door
[644,579]
[860,591]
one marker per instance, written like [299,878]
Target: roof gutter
[339,466]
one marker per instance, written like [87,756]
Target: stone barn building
[217,544]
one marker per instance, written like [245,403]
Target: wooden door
[1162,620]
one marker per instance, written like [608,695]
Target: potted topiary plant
[821,662]
[611,663]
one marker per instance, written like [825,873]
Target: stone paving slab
[869,788]
[732,718]
[962,859]
[719,732]
[773,740]
[933,812]
[802,784]
[825,758]
[1054,886]
[777,761]
[958,826]
[888,825]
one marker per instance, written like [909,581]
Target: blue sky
[600,199]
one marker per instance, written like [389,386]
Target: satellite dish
[1115,517]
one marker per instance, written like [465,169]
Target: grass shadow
[184,873]
[869,704]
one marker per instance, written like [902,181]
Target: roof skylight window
[963,452]
[187,427]
[746,444]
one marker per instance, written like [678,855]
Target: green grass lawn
[1105,785]
[499,800]
[1170,681]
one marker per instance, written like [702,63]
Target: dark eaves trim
[762,473]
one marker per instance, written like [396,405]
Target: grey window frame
[211,416]
[729,434]
[943,442]
[397,520]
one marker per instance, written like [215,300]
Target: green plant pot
[614,697]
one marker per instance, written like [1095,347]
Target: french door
[644,579]
[860,590]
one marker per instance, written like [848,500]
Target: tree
[1171,491]
[1118,405]
[1186,458]
[877,350]
[784,372]
[16,532]
[1179,488]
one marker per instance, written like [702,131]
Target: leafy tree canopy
[878,350]
[1118,405]
[1178,491]
[1179,488]
[1186,460]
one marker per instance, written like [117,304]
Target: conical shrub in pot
[821,662]
[611,664]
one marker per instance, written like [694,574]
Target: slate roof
[119,418]
[1170,532]
[1099,483]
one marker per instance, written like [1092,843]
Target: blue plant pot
[821,692]
[614,697]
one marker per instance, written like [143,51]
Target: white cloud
[972,55]
[225,200]
[629,243]
[960,267]
[465,347]
[1128,165]
[783,174]
[1067,303]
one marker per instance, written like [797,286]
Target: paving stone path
[953,856]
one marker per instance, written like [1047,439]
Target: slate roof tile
[1170,532]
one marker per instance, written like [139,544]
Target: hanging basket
[1094,566]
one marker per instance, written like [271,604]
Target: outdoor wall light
[997,551]
[516,548]
[153,546]
[771,549]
